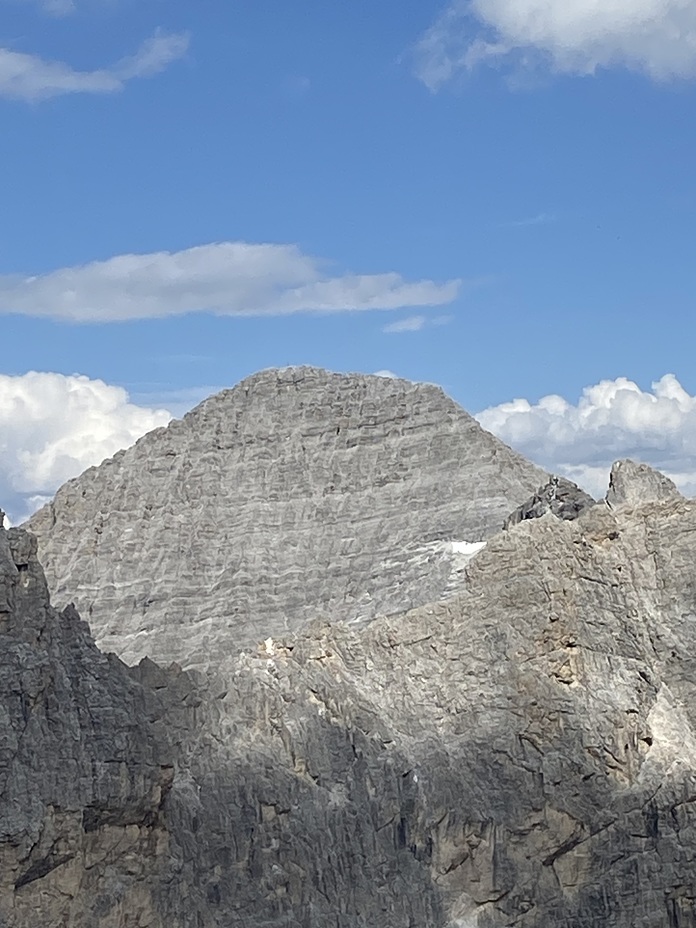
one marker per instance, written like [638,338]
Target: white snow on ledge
[460,553]
[467,548]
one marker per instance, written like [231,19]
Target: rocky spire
[631,483]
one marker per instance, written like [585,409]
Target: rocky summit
[298,494]
[518,751]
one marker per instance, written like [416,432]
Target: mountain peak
[296,494]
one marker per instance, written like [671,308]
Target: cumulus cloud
[229,278]
[613,419]
[52,427]
[656,37]
[31,78]
[415,323]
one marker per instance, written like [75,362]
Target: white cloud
[230,278]
[52,427]
[415,323]
[656,37]
[410,324]
[30,78]
[613,419]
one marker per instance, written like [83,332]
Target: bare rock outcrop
[631,483]
[523,753]
[561,497]
[518,749]
[84,769]
[297,494]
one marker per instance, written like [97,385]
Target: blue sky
[511,181]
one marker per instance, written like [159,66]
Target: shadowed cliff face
[297,494]
[135,797]
[520,754]
[525,751]
[83,770]
[518,750]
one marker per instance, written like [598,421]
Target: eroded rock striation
[519,749]
[297,494]
[523,753]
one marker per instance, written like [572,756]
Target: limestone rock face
[518,749]
[561,497]
[297,494]
[83,768]
[523,753]
[631,483]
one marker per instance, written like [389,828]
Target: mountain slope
[297,494]
[522,754]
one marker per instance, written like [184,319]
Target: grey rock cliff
[518,751]
[522,754]
[631,483]
[562,498]
[83,767]
[297,494]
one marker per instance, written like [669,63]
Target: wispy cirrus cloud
[655,37]
[539,219]
[32,79]
[416,323]
[227,279]
[58,7]
[52,7]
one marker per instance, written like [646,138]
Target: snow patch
[467,548]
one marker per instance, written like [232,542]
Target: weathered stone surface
[562,498]
[521,754]
[297,494]
[83,769]
[631,483]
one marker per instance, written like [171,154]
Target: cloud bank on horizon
[654,37]
[32,79]
[52,427]
[613,419]
[227,279]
